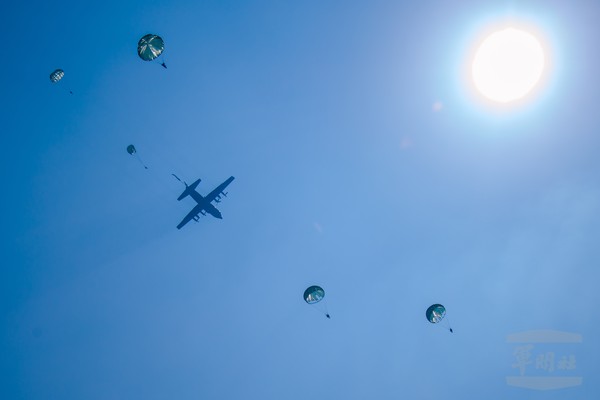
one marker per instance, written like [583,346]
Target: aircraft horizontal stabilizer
[188,190]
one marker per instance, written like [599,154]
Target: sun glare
[507,65]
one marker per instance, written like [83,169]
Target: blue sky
[346,177]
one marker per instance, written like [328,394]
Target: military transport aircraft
[204,203]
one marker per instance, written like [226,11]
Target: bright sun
[507,65]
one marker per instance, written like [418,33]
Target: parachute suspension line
[322,310]
[448,325]
[65,89]
[445,324]
[161,62]
[140,160]
[325,310]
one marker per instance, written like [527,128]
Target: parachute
[57,75]
[133,152]
[150,47]
[313,295]
[436,313]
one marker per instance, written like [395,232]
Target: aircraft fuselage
[204,204]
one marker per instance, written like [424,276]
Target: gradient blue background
[346,177]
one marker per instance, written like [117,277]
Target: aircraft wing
[195,211]
[218,190]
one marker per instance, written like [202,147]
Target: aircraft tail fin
[188,190]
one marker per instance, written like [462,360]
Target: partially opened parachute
[150,47]
[436,313]
[57,75]
[313,295]
[131,149]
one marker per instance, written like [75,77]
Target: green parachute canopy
[150,46]
[131,149]
[57,75]
[314,294]
[435,313]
